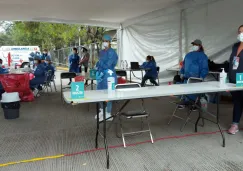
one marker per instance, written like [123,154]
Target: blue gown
[39,73]
[195,65]
[107,61]
[74,63]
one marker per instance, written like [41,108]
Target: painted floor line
[110,147]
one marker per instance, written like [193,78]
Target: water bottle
[122,64]
[126,64]
[223,77]
[204,103]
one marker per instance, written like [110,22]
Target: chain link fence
[60,56]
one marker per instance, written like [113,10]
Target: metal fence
[60,56]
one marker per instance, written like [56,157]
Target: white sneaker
[108,115]
[36,93]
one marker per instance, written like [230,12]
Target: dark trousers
[151,79]
[238,105]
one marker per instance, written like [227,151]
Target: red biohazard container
[79,79]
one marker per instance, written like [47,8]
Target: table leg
[98,125]
[105,140]
[92,85]
[130,76]
[222,134]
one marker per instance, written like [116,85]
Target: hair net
[107,37]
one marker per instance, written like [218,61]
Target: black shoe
[194,108]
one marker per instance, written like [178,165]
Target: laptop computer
[135,65]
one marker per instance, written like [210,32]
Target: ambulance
[19,54]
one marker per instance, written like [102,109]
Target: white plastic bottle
[111,81]
[204,103]
[223,77]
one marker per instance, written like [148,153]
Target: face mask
[1,65]
[240,37]
[195,48]
[44,53]
[36,62]
[105,44]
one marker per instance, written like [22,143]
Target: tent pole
[120,44]
[180,36]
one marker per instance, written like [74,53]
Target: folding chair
[53,81]
[47,83]
[158,69]
[139,114]
[191,104]
[66,75]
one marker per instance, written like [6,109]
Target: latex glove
[99,76]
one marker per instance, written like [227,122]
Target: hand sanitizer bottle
[223,77]
[111,81]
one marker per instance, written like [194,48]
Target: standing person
[236,66]
[44,56]
[84,61]
[152,73]
[195,65]
[106,68]
[73,60]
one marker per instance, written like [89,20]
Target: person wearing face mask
[44,56]
[106,68]
[2,69]
[39,73]
[195,65]
[49,66]
[152,73]
[84,61]
[73,60]
[236,66]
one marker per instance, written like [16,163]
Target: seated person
[152,73]
[3,70]
[49,66]
[39,73]
[195,65]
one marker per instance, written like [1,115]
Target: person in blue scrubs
[152,73]
[73,60]
[236,66]
[106,68]
[49,66]
[39,73]
[195,65]
[44,56]
[2,71]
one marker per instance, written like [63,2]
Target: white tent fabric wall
[215,23]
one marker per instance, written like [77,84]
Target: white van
[19,54]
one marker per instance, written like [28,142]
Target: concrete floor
[47,127]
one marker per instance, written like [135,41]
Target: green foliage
[48,35]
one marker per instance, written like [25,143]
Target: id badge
[236,62]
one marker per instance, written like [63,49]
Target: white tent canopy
[162,28]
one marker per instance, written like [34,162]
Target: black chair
[138,114]
[66,75]
[191,104]
[47,83]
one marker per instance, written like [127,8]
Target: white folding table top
[148,92]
